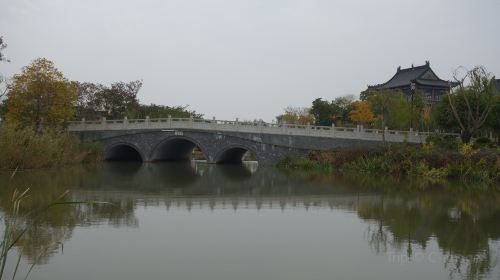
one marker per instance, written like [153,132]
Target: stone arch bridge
[226,141]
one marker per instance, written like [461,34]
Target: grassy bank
[23,148]
[295,163]
[479,162]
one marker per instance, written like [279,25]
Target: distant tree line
[41,96]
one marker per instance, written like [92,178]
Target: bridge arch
[123,152]
[234,154]
[179,148]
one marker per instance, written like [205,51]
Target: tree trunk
[465,135]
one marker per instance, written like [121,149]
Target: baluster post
[82,124]
[125,122]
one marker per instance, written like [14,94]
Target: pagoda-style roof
[421,75]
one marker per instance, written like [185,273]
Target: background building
[418,80]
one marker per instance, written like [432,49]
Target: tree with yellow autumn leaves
[40,96]
[362,113]
[296,115]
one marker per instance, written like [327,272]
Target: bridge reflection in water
[462,228]
[195,185]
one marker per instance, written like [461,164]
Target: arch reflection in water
[165,175]
[237,172]
[175,174]
[235,155]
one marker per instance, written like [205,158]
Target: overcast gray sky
[249,58]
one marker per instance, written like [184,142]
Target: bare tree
[475,90]
[3,45]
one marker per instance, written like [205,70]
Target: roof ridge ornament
[427,63]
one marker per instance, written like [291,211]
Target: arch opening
[236,155]
[122,152]
[178,149]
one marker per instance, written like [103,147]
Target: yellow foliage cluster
[40,96]
[299,116]
[362,113]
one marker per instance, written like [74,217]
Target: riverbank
[474,163]
[24,148]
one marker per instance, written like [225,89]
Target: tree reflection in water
[49,229]
[463,225]
[402,216]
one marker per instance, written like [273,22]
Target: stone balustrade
[358,132]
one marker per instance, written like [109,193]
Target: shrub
[93,152]
[371,165]
[430,161]
[448,142]
[484,143]
[339,158]
[292,162]
[24,148]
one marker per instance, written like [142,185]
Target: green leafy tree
[113,102]
[162,111]
[442,114]
[40,96]
[418,110]
[323,112]
[493,121]
[342,107]
[381,102]
[399,112]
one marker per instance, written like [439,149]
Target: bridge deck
[251,127]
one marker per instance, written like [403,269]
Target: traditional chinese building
[417,80]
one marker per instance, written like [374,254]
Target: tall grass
[19,222]
[24,148]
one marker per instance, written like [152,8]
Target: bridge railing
[358,132]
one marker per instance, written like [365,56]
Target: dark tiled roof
[435,83]
[404,77]
[498,85]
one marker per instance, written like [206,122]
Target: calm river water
[197,221]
